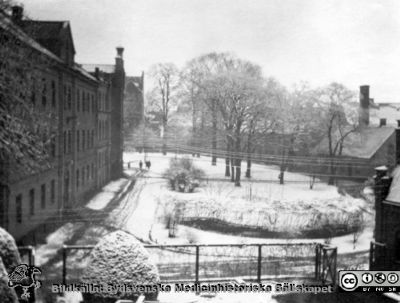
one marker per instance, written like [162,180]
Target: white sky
[319,41]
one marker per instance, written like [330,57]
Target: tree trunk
[282,176]
[232,169]
[214,136]
[237,153]
[194,119]
[282,170]
[227,170]
[164,143]
[227,161]
[249,148]
[248,170]
[238,171]
[312,181]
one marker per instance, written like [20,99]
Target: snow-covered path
[140,221]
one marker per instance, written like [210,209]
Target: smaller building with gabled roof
[373,143]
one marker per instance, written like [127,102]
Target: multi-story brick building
[87,148]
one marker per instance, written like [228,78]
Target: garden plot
[261,204]
[298,218]
[288,211]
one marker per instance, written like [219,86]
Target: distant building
[87,148]
[133,104]
[375,142]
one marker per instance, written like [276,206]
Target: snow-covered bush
[7,294]
[8,250]
[191,237]
[116,260]
[183,175]
[312,219]
[9,259]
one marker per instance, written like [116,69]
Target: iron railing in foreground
[178,263]
[221,262]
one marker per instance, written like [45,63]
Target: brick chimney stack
[119,61]
[363,118]
[17,13]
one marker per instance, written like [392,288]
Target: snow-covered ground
[107,193]
[65,233]
[145,222]
[138,213]
[139,209]
[271,189]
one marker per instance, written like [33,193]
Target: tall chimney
[363,118]
[119,61]
[97,72]
[17,13]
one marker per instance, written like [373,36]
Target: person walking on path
[140,165]
[148,164]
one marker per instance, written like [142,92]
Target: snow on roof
[394,192]
[7,25]
[106,68]
[363,143]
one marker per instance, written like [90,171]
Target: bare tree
[237,91]
[340,120]
[162,95]
[191,94]
[200,71]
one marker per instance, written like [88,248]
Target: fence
[325,264]
[220,262]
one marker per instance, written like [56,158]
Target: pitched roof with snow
[363,143]
[50,34]
[7,25]
[106,68]
[50,29]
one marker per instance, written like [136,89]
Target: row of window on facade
[44,93]
[103,158]
[84,175]
[104,102]
[19,200]
[85,101]
[104,131]
[84,140]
